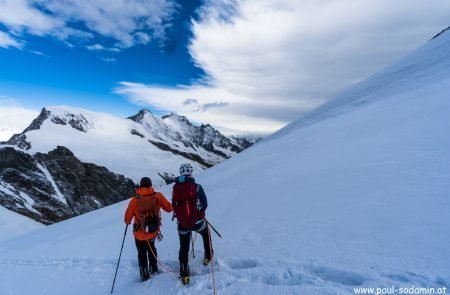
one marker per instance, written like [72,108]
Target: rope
[162,265]
[212,260]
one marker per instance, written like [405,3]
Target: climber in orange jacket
[145,209]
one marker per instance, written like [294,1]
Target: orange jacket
[132,211]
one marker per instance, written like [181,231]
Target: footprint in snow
[239,264]
[338,276]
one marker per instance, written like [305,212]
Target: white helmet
[186,169]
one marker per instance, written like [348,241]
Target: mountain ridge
[172,135]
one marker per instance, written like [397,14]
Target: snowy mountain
[142,145]
[354,194]
[56,186]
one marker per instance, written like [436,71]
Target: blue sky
[248,66]
[50,72]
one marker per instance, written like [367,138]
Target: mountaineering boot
[145,275]
[207,259]
[154,270]
[184,274]
[185,280]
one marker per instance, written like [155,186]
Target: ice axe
[213,228]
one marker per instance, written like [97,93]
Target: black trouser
[144,252]
[185,240]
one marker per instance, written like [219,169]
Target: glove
[159,237]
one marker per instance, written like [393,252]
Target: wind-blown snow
[357,196]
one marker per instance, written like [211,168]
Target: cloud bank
[269,61]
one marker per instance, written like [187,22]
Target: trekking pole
[212,260]
[213,228]
[193,242]
[120,255]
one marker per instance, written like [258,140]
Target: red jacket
[132,210]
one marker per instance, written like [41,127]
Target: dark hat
[146,182]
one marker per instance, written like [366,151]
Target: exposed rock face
[204,136]
[55,186]
[78,122]
[247,142]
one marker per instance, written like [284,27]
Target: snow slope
[13,224]
[358,196]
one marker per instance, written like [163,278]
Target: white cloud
[38,53]
[95,47]
[272,60]
[13,118]
[109,59]
[20,15]
[125,22]
[7,41]
[99,47]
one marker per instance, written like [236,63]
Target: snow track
[232,275]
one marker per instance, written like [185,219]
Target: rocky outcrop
[190,156]
[56,186]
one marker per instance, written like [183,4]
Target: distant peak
[172,114]
[145,111]
[140,115]
[206,126]
[176,116]
[36,124]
